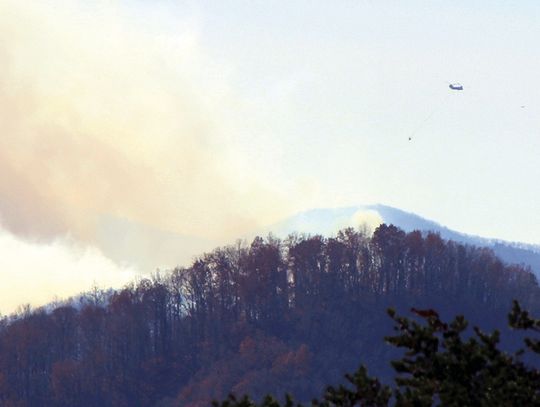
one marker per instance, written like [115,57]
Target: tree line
[270,316]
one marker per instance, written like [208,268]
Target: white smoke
[368,219]
[34,273]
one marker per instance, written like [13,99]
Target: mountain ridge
[327,221]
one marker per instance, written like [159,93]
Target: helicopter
[455,86]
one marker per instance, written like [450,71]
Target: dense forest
[273,316]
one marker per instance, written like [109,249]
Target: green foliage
[441,366]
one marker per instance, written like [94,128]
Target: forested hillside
[267,317]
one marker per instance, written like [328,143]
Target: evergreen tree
[441,366]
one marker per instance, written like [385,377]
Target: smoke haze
[107,120]
[149,131]
[102,117]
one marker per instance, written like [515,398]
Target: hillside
[273,316]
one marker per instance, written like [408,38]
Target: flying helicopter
[455,86]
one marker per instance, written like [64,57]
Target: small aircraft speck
[456,86]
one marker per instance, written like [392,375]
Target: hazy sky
[137,123]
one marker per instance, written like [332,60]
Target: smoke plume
[103,115]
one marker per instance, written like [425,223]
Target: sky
[132,128]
